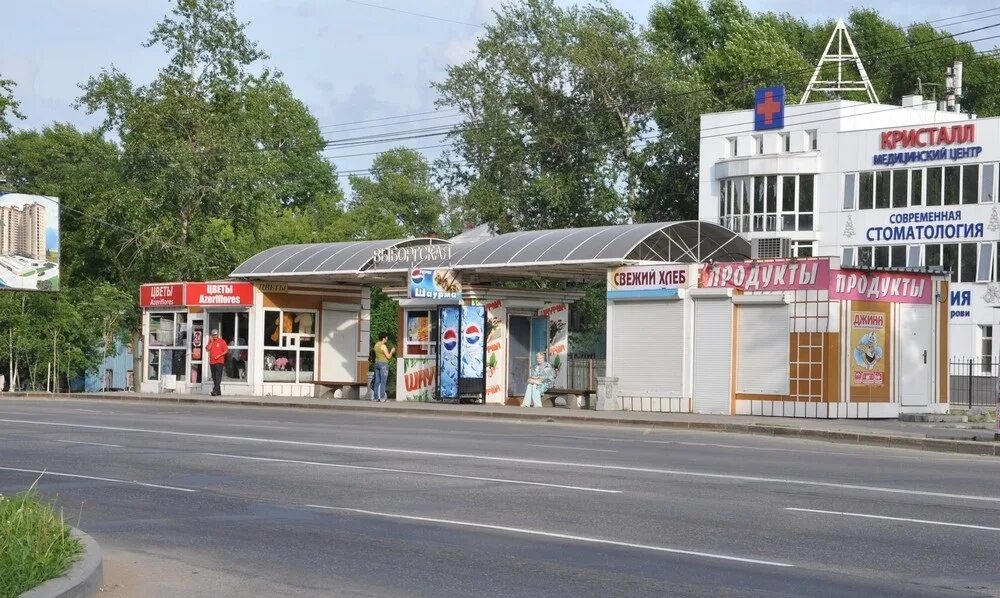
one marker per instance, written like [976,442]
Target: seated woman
[539,380]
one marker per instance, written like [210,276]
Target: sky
[346,59]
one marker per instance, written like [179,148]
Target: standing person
[539,380]
[217,349]
[382,356]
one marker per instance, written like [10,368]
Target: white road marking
[531,532]
[674,472]
[412,472]
[570,448]
[90,443]
[906,519]
[45,472]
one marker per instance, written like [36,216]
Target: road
[235,501]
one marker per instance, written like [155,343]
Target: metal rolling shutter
[648,348]
[713,334]
[762,358]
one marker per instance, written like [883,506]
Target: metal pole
[970,384]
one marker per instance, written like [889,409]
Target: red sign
[893,287]
[161,295]
[776,275]
[945,135]
[220,294]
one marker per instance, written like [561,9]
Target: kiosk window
[421,330]
[234,328]
[167,354]
[289,345]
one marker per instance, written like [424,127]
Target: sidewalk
[886,433]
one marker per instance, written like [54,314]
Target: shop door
[647,348]
[713,331]
[528,336]
[914,350]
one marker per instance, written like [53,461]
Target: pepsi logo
[417,276]
[473,334]
[449,338]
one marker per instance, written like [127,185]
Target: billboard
[868,367]
[450,320]
[433,283]
[641,282]
[29,242]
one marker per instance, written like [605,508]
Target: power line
[415,14]
[977,12]
[399,116]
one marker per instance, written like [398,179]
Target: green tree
[9,106]
[556,101]
[398,200]
[216,145]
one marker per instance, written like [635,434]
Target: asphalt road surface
[238,501]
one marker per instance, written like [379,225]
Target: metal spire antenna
[840,84]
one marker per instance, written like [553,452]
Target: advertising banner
[29,246]
[496,352]
[419,378]
[161,295]
[890,287]
[434,283]
[638,282]
[449,318]
[473,341]
[772,275]
[558,340]
[219,294]
[868,338]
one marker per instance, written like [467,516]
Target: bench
[348,390]
[573,396]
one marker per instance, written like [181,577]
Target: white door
[713,333]
[648,348]
[339,353]
[914,355]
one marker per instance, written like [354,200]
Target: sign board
[771,275]
[868,348]
[170,294]
[927,144]
[769,108]
[29,246]
[890,287]
[414,254]
[641,282]
[219,294]
[272,287]
[433,283]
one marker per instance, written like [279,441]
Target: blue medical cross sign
[769,108]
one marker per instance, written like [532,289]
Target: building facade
[878,186]
[22,231]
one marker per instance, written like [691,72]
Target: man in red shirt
[217,349]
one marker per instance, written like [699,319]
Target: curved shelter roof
[574,253]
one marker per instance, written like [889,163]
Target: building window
[785,142]
[289,345]
[767,203]
[866,257]
[986,348]
[866,191]
[934,179]
[913,256]
[234,328]
[882,189]
[758,142]
[970,183]
[899,190]
[986,193]
[803,248]
[952,185]
[167,353]
[731,145]
[961,259]
[850,193]
[812,141]
[847,259]
[897,256]
[917,187]
[983,273]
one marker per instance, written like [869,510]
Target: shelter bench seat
[348,390]
[572,396]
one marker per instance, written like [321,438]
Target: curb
[966,447]
[84,578]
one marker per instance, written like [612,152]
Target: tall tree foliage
[216,144]
[9,106]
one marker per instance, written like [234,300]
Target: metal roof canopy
[574,254]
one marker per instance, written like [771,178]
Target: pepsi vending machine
[461,352]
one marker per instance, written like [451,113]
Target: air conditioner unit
[770,248]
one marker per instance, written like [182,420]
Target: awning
[578,254]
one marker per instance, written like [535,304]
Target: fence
[582,373]
[973,383]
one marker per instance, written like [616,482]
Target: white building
[876,185]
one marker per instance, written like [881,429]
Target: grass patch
[35,543]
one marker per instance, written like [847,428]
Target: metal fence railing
[582,373]
[973,382]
